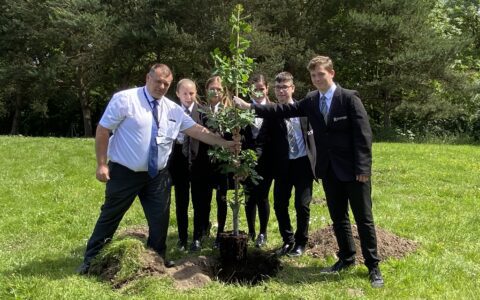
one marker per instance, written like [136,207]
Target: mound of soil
[322,243]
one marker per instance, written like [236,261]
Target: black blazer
[199,160]
[344,143]
[274,135]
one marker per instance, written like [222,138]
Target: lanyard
[155,114]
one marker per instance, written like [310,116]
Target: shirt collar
[329,93]
[150,97]
[190,108]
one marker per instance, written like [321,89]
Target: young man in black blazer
[292,151]
[343,139]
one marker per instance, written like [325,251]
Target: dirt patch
[322,243]
[192,272]
[126,259]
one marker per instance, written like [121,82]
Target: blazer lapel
[316,106]
[193,142]
[195,113]
[336,102]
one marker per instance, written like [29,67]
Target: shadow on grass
[293,274]
[57,267]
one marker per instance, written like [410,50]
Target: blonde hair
[225,101]
[186,81]
[319,60]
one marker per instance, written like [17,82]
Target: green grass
[49,202]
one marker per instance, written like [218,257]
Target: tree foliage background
[416,63]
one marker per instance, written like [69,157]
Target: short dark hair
[165,70]
[259,78]
[284,76]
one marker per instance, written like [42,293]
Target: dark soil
[233,248]
[322,243]
[256,268]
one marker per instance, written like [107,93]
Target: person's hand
[233,146]
[103,174]
[240,103]
[362,178]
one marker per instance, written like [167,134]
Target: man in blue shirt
[133,160]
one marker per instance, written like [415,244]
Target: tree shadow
[293,274]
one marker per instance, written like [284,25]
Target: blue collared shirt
[328,95]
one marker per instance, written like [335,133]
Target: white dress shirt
[129,115]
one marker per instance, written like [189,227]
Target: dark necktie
[292,140]
[186,140]
[153,149]
[324,108]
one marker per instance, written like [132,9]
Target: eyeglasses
[282,87]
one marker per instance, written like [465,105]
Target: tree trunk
[85,105]
[87,121]
[235,212]
[16,116]
[387,117]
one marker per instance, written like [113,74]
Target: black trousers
[182,193]
[339,195]
[221,198]
[257,196]
[122,188]
[297,174]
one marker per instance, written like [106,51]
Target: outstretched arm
[296,109]
[203,134]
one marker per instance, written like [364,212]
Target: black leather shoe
[261,240]
[169,263]
[216,243]
[83,269]
[284,249]
[182,245]
[251,235]
[297,251]
[376,279]
[337,267]
[195,246]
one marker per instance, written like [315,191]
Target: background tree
[415,63]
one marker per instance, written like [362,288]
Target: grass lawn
[49,202]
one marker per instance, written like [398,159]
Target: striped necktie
[324,108]
[292,140]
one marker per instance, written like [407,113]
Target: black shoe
[261,240]
[216,243]
[337,267]
[195,246]
[83,269]
[169,263]
[182,245]
[287,247]
[297,251]
[251,235]
[376,279]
